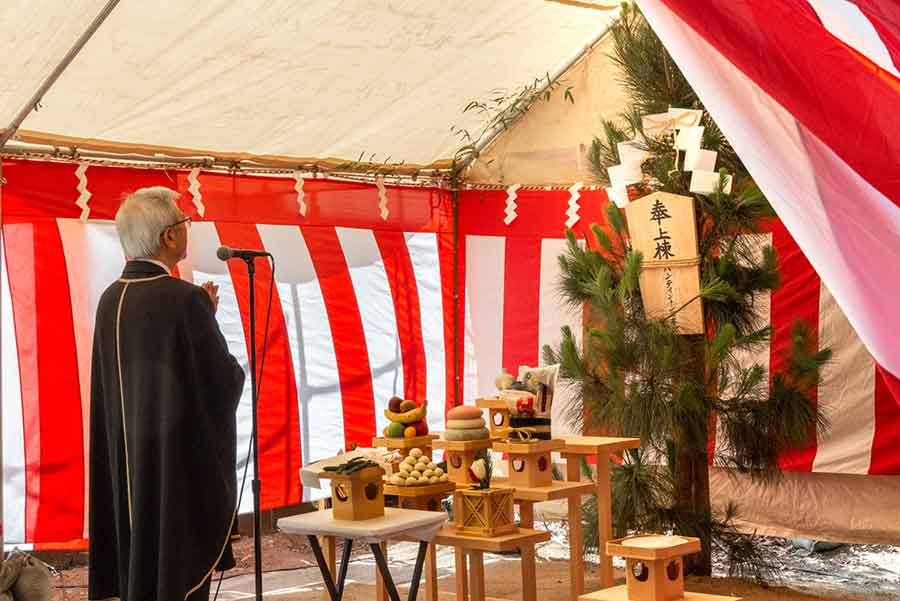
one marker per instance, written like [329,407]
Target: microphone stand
[257,524]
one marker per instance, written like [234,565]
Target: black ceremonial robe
[164,392]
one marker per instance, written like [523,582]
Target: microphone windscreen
[224,253]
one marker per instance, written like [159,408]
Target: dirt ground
[282,553]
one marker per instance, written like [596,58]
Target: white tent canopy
[278,78]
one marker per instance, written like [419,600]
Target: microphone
[224,253]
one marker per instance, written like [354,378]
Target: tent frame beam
[432,177]
[35,100]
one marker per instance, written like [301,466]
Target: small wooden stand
[498,413]
[461,456]
[357,496]
[530,464]
[405,445]
[426,497]
[654,570]
[602,447]
[487,512]
[572,492]
[470,579]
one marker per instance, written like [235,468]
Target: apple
[421,427]
[394,404]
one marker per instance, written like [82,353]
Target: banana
[408,417]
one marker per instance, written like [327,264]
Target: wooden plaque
[662,227]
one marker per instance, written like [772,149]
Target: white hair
[142,217]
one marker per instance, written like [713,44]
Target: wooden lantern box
[654,567]
[530,463]
[487,512]
[498,414]
[357,496]
[461,456]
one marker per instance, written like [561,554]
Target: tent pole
[38,95]
[457,388]
[2,465]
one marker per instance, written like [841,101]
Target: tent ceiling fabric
[336,78]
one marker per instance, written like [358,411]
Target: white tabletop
[422,525]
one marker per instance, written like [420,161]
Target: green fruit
[395,430]
[406,406]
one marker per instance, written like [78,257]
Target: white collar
[155,262]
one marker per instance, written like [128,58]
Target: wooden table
[620,593]
[471,579]
[572,492]
[395,523]
[602,447]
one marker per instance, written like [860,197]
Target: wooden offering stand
[461,456]
[405,445]
[357,496]
[497,412]
[426,497]
[602,447]
[531,475]
[470,578]
[530,463]
[654,570]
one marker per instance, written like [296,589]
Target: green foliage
[637,376]
[499,111]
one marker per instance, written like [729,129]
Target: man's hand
[213,291]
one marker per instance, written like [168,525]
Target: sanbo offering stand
[602,447]
[498,414]
[460,457]
[654,570]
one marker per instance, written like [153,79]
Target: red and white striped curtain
[361,311]
[513,309]
[808,92]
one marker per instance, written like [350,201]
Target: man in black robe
[164,392]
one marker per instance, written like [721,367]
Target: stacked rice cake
[465,423]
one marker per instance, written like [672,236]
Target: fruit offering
[408,420]
[417,469]
[465,423]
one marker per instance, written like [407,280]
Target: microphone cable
[262,363]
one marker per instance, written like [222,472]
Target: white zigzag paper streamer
[84,195]
[511,207]
[382,197]
[194,189]
[572,212]
[298,177]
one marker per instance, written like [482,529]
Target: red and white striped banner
[362,310]
[807,91]
[512,310]
[359,314]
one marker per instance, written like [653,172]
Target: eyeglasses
[186,221]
